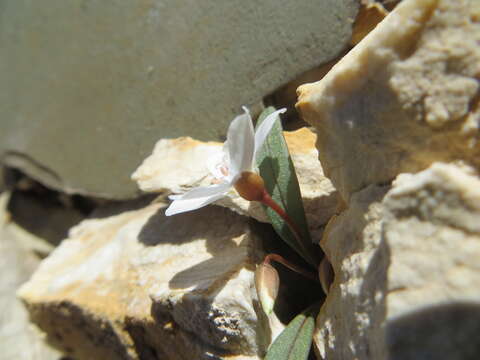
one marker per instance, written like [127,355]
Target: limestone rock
[179,164]
[176,165]
[320,198]
[407,282]
[349,325]
[18,338]
[142,285]
[370,14]
[131,72]
[404,97]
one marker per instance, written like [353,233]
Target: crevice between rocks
[49,214]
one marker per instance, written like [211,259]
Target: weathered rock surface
[350,322]
[177,165]
[142,285]
[405,255]
[407,282]
[370,14]
[130,73]
[404,97]
[18,338]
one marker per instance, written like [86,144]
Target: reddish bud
[250,186]
[267,283]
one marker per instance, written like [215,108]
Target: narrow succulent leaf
[295,341]
[278,172]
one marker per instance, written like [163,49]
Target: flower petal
[197,198]
[218,166]
[264,128]
[241,144]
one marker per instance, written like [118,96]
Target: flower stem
[268,201]
[281,260]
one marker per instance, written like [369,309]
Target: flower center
[250,186]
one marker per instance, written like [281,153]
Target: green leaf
[277,170]
[295,341]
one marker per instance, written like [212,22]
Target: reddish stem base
[268,201]
[281,260]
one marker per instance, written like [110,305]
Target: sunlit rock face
[404,97]
[142,285]
[397,123]
[407,276]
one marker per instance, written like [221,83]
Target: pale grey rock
[370,14]
[89,86]
[407,282]
[18,338]
[177,165]
[142,285]
[404,97]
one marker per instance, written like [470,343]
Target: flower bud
[267,283]
[250,186]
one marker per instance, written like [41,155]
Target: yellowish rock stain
[300,141]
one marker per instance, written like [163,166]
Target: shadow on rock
[212,247]
[449,331]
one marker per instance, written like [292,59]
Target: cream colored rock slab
[404,97]
[177,165]
[407,272]
[139,284]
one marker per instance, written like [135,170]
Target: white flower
[239,155]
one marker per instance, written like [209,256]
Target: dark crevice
[286,96]
[49,214]
[389,4]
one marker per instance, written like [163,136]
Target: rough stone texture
[350,322]
[320,199]
[179,164]
[370,14]
[404,97]
[176,165]
[141,285]
[407,282]
[18,338]
[89,86]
